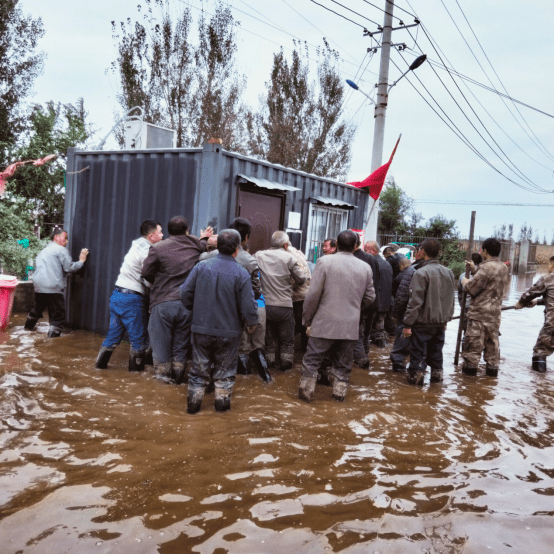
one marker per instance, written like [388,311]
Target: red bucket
[7,293]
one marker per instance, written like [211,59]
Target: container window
[325,222]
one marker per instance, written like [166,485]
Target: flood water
[108,461]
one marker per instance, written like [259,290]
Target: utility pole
[372,212]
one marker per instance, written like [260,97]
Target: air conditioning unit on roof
[140,135]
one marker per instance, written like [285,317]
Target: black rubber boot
[104,357]
[54,332]
[148,359]
[194,400]
[362,364]
[339,390]
[491,371]
[136,360]
[222,401]
[178,372]
[436,375]
[162,372]
[260,363]
[30,323]
[471,371]
[416,377]
[242,365]
[398,368]
[270,358]
[286,362]
[539,364]
[381,342]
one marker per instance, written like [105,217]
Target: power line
[358,14]
[482,203]
[388,13]
[339,14]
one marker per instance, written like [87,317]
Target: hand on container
[83,255]
[207,232]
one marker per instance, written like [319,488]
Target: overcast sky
[431,162]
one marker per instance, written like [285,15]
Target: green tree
[300,122]
[442,228]
[395,206]
[20,64]
[188,85]
[52,129]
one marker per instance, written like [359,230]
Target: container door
[265,213]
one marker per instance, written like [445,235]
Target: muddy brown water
[108,461]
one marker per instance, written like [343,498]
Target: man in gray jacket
[430,307]
[341,286]
[279,270]
[49,278]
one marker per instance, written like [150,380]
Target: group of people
[207,300]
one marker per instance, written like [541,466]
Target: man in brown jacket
[279,270]
[341,285]
[487,289]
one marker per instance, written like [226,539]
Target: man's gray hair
[279,239]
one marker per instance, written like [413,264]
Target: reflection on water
[110,462]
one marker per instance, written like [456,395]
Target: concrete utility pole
[380,112]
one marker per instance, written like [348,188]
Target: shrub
[457,268]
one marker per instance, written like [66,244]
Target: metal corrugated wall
[106,203]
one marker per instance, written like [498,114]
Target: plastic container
[7,293]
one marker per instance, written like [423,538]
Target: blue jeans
[426,347]
[222,352]
[127,313]
[169,330]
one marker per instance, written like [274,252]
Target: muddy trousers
[169,330]
[222,353]
[480,338]
[54,303]
[426,345]
[299,329]
[401,348]
[279,334]
[378,332]
[253,341]
[545,342]
[360,351]
[341,357]
[128,312]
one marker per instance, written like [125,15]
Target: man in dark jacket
[401,347]
[394,259]
[167,267]
[378,334]
[219,293]
[360,355]
[430,307]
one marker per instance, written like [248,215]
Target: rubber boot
[163,372]
[398,368]
[539,364]
[436,375]
[339,390]
[242,365]
[306,389]
[270,358]
[491,371]
[286,362]
[362,364]
[148,359]
[104,357]
[178,372]
[30,323]
[136,360]
[381,342]
[471,371]
[54,332]
[260,363]
[222,401]
[416,377]
[194,400]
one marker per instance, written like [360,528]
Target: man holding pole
[487,289]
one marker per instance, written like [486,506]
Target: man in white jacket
[128,302]
[51,267]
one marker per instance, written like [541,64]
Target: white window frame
[312,241]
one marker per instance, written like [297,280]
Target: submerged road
[108,461]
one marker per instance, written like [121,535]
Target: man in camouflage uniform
[487,289]
[545,343]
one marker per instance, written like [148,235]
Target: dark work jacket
[394,261]
[168,265]
[219,293]
[369,259]
[402,283]
[385,284]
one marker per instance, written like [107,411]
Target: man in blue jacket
[219,293]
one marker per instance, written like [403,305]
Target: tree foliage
[526,233]
[299,122]
[395,210]
[20,64]
[51,129]
[188,85]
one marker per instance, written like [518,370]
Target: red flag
[376,180]
[11,169]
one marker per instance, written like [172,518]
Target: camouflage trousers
[545,342]
[481,338]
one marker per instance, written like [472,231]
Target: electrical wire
[481,203]
[388,13]
[340,15]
